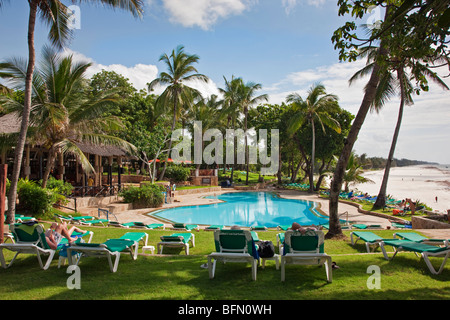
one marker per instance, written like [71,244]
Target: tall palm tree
[178,93]
[314,108]
[63,114]
[55,14]
[247,99]
[388,86]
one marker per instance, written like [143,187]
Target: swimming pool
[247,209]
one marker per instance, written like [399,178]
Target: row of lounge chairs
[406,241]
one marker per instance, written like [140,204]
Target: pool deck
[198,199]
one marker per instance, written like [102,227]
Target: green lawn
[177,276]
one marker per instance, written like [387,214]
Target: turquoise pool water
[247,209]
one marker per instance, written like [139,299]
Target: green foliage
[146,196]
[178,173]
[59,186]
[36,200]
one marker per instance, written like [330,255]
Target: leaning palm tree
[63,114]
[314,108]
[56,15]
[391,82]
[177,93]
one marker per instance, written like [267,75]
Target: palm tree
[314,108]
[181,70]
[63,113]
[354,172]
[247,99]
[55,14]
[388,87]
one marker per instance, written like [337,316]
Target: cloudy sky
[282,44]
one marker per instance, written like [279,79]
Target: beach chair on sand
[412,236]
[176,240]
[305,249]
[424,250]
[233,246]
[370,239]
[111,249]
[29,239]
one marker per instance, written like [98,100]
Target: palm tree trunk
[246,143]
[50,164]
[18,153]
[338,177]
[313,155]
[170,141]
[381,198]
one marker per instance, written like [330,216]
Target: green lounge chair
[155,226]
[111,249]
[280,242]
[425,250]
[233,246]
[258,228]
[214,227]
[102,222]
[283,227]
[183,226]
[136,236]
[412,236]
[80,218]
[64,244]
[176,240]
[305,249]
[370,239]
[366,226]
[28,239]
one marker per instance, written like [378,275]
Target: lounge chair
[184,227]
[305,249]
[176,240]
[80,218]
[280,242]
[136,236]
[258,228]
[111,249]
[29,239]
[64,244]
[102,222]
[412,236]
[366,226]
[425,250]
[233,246]
[214,227]
[155,226]
[370,239]
[283,227]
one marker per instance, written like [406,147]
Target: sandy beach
[423,182]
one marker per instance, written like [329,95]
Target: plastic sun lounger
[305,249]
[425,250]
[370,238]
[29,239]
[111,249]
[412,236]
[214,227]
[233,246]
[183,226]
[176,240]
[258,228]
[366,226]
[94,222]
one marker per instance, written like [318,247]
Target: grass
[176,276]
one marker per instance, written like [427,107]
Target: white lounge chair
[233,246]
[305,249]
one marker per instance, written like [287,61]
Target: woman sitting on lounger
[57,232]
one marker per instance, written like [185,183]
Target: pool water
[247,209]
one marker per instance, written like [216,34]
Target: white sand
[423,183]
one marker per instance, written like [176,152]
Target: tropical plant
[63,114]
[56,15]
[315,108]
[353,174]
[177,93]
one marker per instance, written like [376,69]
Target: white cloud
[289,5]
[204,13]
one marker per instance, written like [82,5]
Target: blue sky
[285,45]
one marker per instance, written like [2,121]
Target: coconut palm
[63,113]
[314,108]
[353,174]
[391,82]
[56,15]
[177,93]
[247,99]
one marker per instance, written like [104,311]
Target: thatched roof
[10,123]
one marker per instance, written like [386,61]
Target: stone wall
[424,223]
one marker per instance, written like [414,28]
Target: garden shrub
[146,196]
[177,173]
[59,186]
[36,200]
